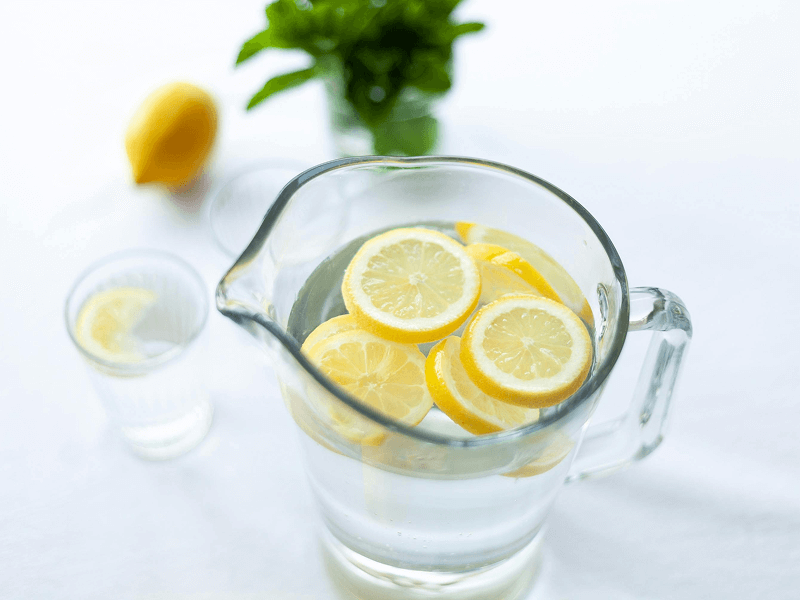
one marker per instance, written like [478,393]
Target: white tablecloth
[674,123]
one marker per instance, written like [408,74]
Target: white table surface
[674,122]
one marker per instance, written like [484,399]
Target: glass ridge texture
[160,402]
[432,501]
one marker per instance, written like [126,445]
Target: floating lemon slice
[561,281]
[411,285]
[498,281]
[514,263]
[106,319]
[387,376]
[527,350]
[459,399]
[328,329]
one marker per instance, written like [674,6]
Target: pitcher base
[356,577]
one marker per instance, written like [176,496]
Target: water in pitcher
[417,522]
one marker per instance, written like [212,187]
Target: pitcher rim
[595,380]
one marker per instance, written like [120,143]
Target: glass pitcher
[430,511]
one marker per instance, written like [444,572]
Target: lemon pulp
[104,323]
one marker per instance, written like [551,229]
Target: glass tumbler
[138,319]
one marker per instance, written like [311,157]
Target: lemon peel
[411,285]
[527,350]
[459,398]
[171,134]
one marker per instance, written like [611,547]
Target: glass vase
[411,129]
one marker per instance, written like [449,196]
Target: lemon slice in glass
[527,350]
[568,291]
[104,323]
[387,376]
[459,398]
[411,285]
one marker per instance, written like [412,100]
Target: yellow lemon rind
[171,134]
[402,336]
[498,281]
[463,229]
[512,261]
[569,292]
[412,353]
[438,380]
[444,399]
[396,329]
[527,395]
[331,327]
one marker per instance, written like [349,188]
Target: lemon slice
[459,399]
[561,281]
[497,280]
[411,285]
[330,328]
[106,319]
[387,376]
[559,447]
[527,350]
[514,263]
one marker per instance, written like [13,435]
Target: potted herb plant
[384,64]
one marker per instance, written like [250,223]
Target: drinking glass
[238,205]
[155,389]
[431,511]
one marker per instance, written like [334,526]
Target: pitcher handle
[615,444]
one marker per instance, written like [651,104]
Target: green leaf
[283,82]
[371,50]
[253,46]
[269,38]
[429,72]
[465,28]
[415,137]
[443,6]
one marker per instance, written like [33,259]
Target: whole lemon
[171,134]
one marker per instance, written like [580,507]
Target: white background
[674,122]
